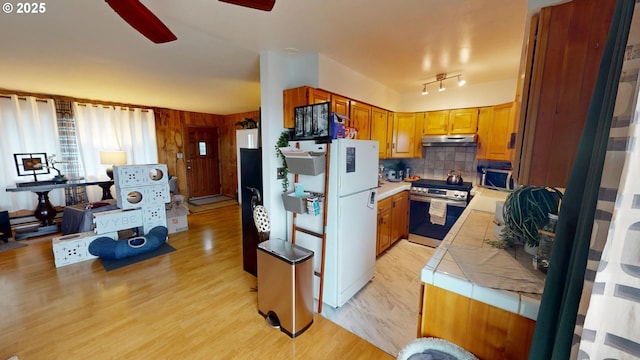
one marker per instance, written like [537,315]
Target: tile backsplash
[437,161]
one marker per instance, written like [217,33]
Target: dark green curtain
[554,330]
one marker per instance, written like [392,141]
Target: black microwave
[498,179]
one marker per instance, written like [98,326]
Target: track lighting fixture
[440,78]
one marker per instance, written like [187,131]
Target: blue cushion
[107,248]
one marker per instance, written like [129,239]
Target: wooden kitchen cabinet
[399,216]
[436,122]
[463,121]
[563,59]
[393,220]
[340,104]
[360,118]
[451,122]
[384,226]
[300,96]
[382,130]
[404,135]
[486,331]
[496,132]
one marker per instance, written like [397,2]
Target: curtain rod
[24,98]
[110,106]
[79,104]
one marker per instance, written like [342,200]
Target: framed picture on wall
[312,122]
[31,164]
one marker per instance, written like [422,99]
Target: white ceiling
[81,48]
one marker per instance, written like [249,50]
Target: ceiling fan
[142,19]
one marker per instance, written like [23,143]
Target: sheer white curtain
[113,128]
[27,125]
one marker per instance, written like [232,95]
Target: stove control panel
[440,193]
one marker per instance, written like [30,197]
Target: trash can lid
[285,250]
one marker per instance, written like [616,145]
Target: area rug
[110,265]
[208,200]
[208,207]
[10,245]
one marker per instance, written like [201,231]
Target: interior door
[203,164]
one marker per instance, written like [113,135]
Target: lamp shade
[113,157]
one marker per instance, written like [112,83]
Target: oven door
[421,230]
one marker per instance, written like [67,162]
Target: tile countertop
[472,228]
[388,188]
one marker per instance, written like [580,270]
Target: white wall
[340,79]
[337,78]
[277,73]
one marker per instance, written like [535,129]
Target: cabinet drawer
[384,205]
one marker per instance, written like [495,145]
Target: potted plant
[525,211]
[283,141]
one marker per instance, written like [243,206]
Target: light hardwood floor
[385,311]
[195,303]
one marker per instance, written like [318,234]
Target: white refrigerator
[351,219]
[245,139]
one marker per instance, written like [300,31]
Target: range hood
[450,140]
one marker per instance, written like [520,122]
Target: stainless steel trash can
[285,285]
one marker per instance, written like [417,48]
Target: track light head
[461,82]
[424,90]
[441,88]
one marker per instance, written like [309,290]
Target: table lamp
[112,158]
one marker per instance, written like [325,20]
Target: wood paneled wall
[170,133]
[228,155]
[170,126]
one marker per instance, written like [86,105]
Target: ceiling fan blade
[142,19]
[265,5]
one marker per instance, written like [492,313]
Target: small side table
[106,189]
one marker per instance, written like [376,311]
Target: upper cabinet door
[484,127]
[463,121]
[436,123]
[291,98]
[502,124]
[381,130]
[404,130]
[317,96]
[339,104]
[496,125]
[360,118]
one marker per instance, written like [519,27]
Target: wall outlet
[280,173]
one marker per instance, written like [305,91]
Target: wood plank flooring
[194,303]
[385,311]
